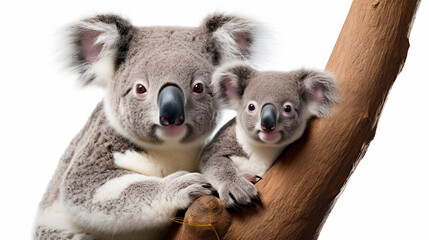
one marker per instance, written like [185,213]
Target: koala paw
[239,192]
[188,187]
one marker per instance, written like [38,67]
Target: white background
[42,107]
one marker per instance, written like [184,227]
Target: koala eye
[198,88]
[251,107]
[140,89]
[287,109]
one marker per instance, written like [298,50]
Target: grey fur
[108,50]
[50,234]
[242,144]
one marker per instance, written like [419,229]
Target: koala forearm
[218,168]
[119,204]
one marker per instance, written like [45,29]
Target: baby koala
[272,112]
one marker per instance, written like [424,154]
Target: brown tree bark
[300,189]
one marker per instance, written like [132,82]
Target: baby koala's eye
[140,89]
[198,88]
[287,109]
[251,107]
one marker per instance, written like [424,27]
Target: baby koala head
[274,107]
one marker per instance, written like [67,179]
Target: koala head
[274,107]
[158,79]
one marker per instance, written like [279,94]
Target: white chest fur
[261,157]
[159,163]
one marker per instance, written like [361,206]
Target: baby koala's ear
[320,90]
[229,82]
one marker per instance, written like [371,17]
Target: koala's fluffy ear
[231,37]
[229,82]
[320,91]
[97,46]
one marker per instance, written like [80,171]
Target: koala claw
[234,207]
[251,204]
[253,179]
[258,199]
[215,193]
[232,197]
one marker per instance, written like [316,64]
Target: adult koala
[127,172]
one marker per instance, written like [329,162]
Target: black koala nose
[171,107]
[268,118]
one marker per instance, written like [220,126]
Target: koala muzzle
[171,106]
[268,118]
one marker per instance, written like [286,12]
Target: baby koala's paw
[239,192]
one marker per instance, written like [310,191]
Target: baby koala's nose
[268,118]
[171,107]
